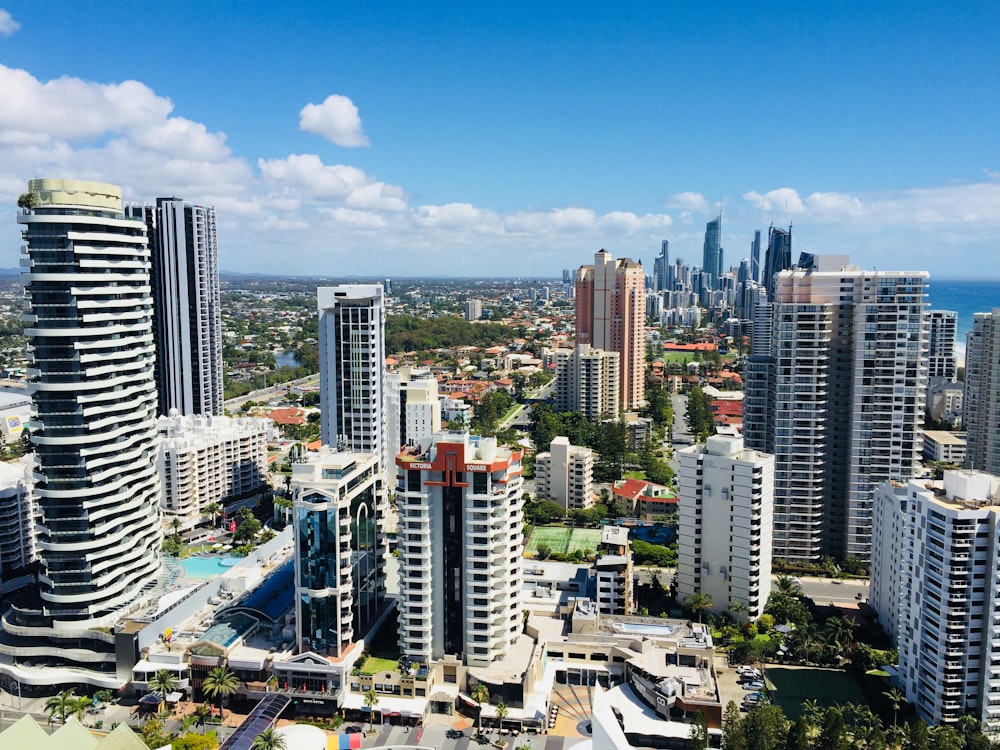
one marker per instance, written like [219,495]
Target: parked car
[755,685]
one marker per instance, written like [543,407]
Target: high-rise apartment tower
[982,393]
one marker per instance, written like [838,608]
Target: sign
[475,467]
[418,465]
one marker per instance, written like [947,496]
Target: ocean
[964,296]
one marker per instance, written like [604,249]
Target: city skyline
[482,141]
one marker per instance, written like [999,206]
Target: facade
[473,309]
[587,381]
[724,532]
[565,474]
[352,368]
[839,400]
[943,329]
[17,522]
[982,393]
[613,588]
[339,550]
[712,252]
[611,316]
[92,381]
[933,585]
[413,408]
[944,447]
[205,460]
[460,540]
[15,414]
[187,309]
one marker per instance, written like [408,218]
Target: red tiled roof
[291,415]
[630,488]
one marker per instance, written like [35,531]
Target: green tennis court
[563,540]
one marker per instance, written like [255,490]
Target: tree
[698,603]
[219,683]
[917,736]
[798,734]
[788,586]
[62,705]
[698,738]
[732,737]
[269,739]
[371,700]
[832,735]
[764,728]
[213,510]
[163,682]
[481,695]
[895,697]
[195,741]
[501,715]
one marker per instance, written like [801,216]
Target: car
[352,730]
[755,685]
[745,670]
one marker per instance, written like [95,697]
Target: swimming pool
[640,628]
[206,568]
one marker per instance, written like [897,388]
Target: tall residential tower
[187,305]
[982,393]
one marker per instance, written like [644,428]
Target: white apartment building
[934,571]
[339,577]
[838,399]
[456,410]
[460,541]
[982,393]
[473,309]
[565,474]
[725,514]
[944,447]
[587,381]
[17,522]
[352,368]
[205,460]
[613,589]
[413,408]
[187,316]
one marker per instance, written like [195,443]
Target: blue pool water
[207,567]
[638,627]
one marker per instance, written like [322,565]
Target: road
[826,590]
[270,393]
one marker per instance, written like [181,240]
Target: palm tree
[269,739]
[737,607]
[163,682]
[698,602]
[201,714]
[501,715]
[896,697]
[371,700]
[175,524]
[212,510]
[188,722]
[481,695]
[219,683]
[788,586]
[63,705]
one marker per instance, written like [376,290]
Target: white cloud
[455,216]
[7,23]
[691,202]
[309,177]
[336,119]
[352,219]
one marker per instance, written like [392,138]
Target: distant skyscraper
[90,327]
[778,257]
[460,560]
[839,399]
[413,409]
[352,368]
[755,257]
[611,315]
[587,381]
[473,309]
[187,311]
[941,363]
[982,393]
[712,253]
[661,268]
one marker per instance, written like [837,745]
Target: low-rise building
[17,523]
[944,447]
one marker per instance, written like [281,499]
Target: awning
[144,665]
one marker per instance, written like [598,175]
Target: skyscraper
[982,393]
[778,256]
[460,560]
[755,257]
[587,381]
[611,315]
[661,268]
[91,333]
[941,364]
[840,402]
[413,409]
[712,252]
[352,368]
[187,306]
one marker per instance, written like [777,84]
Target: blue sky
[518,138]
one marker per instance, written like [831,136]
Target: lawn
[374,664]
[563,540]
[828,687]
